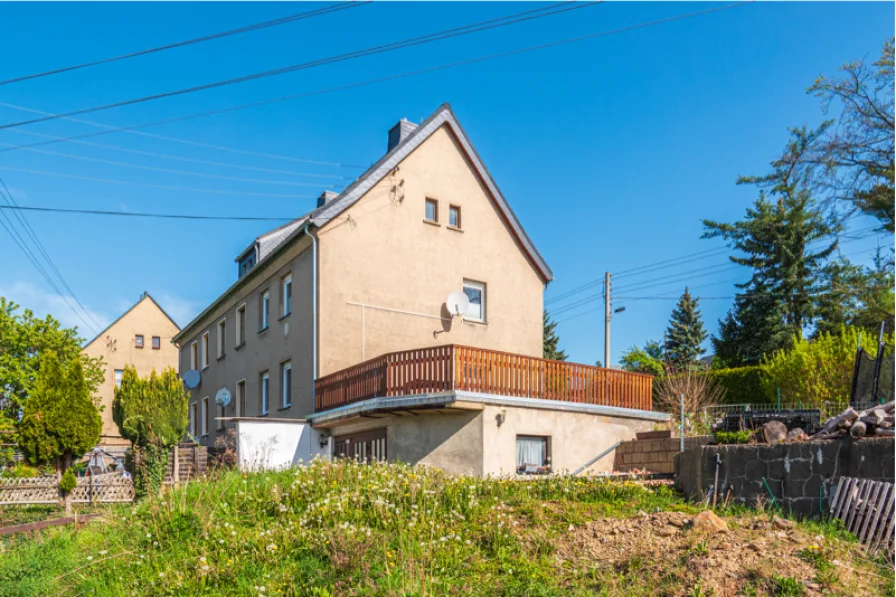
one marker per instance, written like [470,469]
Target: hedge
[742,385]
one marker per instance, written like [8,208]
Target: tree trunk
[65,497]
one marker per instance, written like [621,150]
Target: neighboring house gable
[142,337]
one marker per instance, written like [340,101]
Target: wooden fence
[108,488]
[866,509]
[453,367]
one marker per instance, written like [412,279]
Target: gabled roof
[272,242]
[443,116]
[144,296]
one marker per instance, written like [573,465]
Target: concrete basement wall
[801,476]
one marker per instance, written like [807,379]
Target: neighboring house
[140,337]
[367,274]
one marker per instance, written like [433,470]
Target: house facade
[367,274]
[141,337]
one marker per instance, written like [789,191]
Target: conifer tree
[685,333]
[551,348]
[60,421]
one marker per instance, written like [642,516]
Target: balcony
[462,368]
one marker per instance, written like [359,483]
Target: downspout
[314,318]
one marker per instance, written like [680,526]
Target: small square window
[475,291]
[454,216]
[156,343]
[432,210]
[533,454]
[138,340]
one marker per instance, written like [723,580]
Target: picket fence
[106,488]
[866,508]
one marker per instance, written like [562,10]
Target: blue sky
[610,150]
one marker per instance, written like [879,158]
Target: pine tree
[551,349]
[685,334]
[60,421]
[777,303]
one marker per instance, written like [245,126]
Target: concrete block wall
[801,476]
[656,455]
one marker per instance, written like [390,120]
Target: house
[141,337]
[338,323]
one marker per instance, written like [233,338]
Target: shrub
[818,371]
[742,385]
[68,481]
[732,437]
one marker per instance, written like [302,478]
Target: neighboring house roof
[270,242]
[145,295]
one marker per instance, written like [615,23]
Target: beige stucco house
[339,319]
[140,337]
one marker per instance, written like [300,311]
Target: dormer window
[246,264]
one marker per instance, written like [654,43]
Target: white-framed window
[222,334]
[241,324]
[431,211]
[204,417]
[194,418]
[286,295]
[203,351]
[194,354]
[454,216]
[264,317]
[241,398]
[264,392]
[533,454]
[286,384]
[475,291]
[118,375]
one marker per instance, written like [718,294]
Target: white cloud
[47,302]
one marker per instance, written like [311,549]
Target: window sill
[263,330]
[239,346]
[284,408]
[221,358]
[263,414]
[204,368]
[431,222]
[475,321]
[456,229]
[282,317]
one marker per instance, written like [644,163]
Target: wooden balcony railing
[453,367]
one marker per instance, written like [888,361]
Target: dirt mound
[752,555]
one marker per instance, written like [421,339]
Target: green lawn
[347,529]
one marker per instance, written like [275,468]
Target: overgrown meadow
[342,528]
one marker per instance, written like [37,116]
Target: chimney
[326,197]
[400,132]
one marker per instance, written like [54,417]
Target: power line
[272,23]
[406,43]
[29,254]
[175,171]
[133,128]
[165,156]
[99,212]
[153,186]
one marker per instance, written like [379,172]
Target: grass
[340,528]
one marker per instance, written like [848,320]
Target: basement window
[533,455]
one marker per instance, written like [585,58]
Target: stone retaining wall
[801,476]
[654,455]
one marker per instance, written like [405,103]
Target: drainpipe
[314,318]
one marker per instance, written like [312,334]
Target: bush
[733,437]
[742,385]
[68,481]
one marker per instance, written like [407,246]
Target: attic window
[138,340]
[432,211]
[454,216]
[246,264]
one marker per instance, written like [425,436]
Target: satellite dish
[191,378]
[222,398]
[457,303]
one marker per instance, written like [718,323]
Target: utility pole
[607,319]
